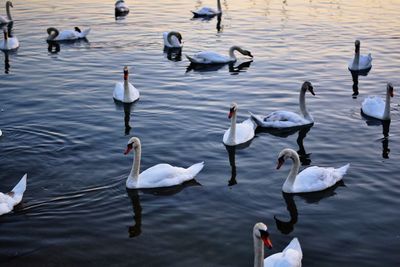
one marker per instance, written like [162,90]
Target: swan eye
[264,233]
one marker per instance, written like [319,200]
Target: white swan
[288,119]
[14,197]
[121,8]
[9,43]
[311,179]
[375,107]
[125,91]
[209,57]
[160,175]
[1,133]
[360,62]
[8,19]
[172,39]
[67,35]
[208,11]
[291,256]
[238,133]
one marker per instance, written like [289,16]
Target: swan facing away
[288,119]
[12,198]
[66,35]
[208,12]
[360,62]
[8,19]
[311,179]
[172,39]
[238,133]
[160,175]
[375,107]
[121,8]
[209,57]
[125,91]
[9,42]
[291,256]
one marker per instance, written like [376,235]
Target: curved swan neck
[302,103]
[136,163]
[258,252]
[386,113]
[294,171]
[232,133]
[232,51]
[219,5]
[8,4]
[176,34]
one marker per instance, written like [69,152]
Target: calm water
[61,125]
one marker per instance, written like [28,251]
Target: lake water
[61,126]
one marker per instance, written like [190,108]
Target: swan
[125,91]
[311,179]
[238,133]
[160,175]
[14,197]
[8,19]
[172,39]
[66,35]
[121,9]
[291,256]
[360,62]
[375,107]
[287,119]
[209,57]
[1,133]
[9,42]
[208,11]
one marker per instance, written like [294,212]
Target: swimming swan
[125,91]
[208,11]
[172,39]
[360,62]
[375,107]
[209,57]
[66,35]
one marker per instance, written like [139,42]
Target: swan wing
[119,93]
[4,20]
[364,63]
[291,256]
[373,106]
[84,33]
[209,57]
[280,119]
[8,201]
[206,11]
[67,35]
[244,133]
[174,39]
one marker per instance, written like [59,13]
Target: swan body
[13,198]
[121,8]
[311,179]
[1,133]
[238,133]
[9,43]
[8,19]
[375,107]
[172,39]
[209,57]
[360,62]
[66,35]
[291,256]
[288,119]
[208,11]
[125,91]
[160,175]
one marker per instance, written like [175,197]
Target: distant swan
[238,133]
[311,179]
[12,198]
[208,11]
[8,19]
[291,256]
[172,39]
[160,175]
[66,35]
[125,91]
[121,9]
[9,43]
[209,57]
[375,107]
[287,119]
[360,62]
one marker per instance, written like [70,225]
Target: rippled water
[61,125]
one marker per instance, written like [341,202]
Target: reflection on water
[385,132]
[6,62]
[233,69]
[354,76]
[173,53]
[128,109]
[232,161]
[53,47]
[136,228]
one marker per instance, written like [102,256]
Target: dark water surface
[61,126]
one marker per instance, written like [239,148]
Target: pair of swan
[210,57]
[172,39]
[160,175]
[375,107]
[66,35]
[8,19]
[121,8]
[12,198]
[9,42]
[125,91]
[208,12]
[291,256]
[360,62]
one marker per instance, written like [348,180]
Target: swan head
[247,53]
[52,32]
[390,89]
[284,155]
[308,86]
[9,3]
[357,45]
[133,143]
[126,73]
[232,110]
[260,231]
[77,29]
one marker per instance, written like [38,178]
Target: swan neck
[356,60]
[293,171]
[169,37]
[302,103]
[232,133]
[8,11]
[219,5]
[386,113]
[258,252]
[232,52]
[136,164]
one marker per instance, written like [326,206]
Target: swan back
[376,107]
[14,197]
[172,39]
[125,91]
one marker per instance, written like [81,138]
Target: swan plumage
[288,119]
[210,57]
[9,42]
[160,175]
[208,11]
[172,39]
[311,179]
[121,8]
[238,133]
[8,19]
[13,198]
[360,62]
[125,91]
[376,107]
[66,35]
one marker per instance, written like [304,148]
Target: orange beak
[128,149]
[267,242]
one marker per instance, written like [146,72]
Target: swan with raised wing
[208,12]
[9,42]
[375,107]
[8,19]
[125,91]
[12,198]
[172,39]
[66,35]
[311,179]
[160,175]
[287,119]
[291,256]
[360,62]
[210,57]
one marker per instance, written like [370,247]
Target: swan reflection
[128,109]
[385,132]
[232,159]
[354,76]
[173,54]
[233,69]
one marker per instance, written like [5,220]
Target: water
[61,126]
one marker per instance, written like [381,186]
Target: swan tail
[257,119]
[196,168]
[295,245]
[190,59]
[85,33]
[20,188]
[343,170]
